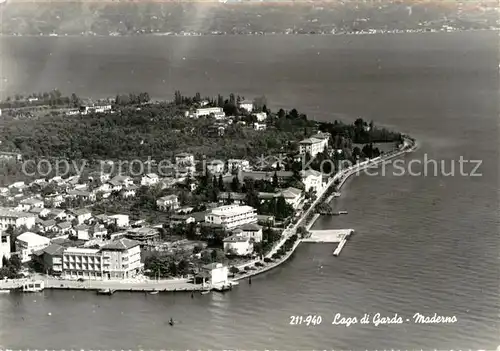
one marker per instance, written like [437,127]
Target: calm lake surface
[427,244]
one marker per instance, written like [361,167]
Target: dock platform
[339,236]
[328,235]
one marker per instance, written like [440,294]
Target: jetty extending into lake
[339,236]
[328,235]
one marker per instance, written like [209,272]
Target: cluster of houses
[91,108]
[222,121]
[74,243]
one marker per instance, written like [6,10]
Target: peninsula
[174,195]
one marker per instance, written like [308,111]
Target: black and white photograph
[249,175]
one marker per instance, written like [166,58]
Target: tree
[74,100]
[15,262]
[231,252]
[197,249]
[182,267]
[221,183]
[260,103]
[301,231]
[5,261]
[281,113]
[172,268]
[234,270]
[220,101]
[178,97]
[235,184]
[275,180]
[213,255]
[252,198]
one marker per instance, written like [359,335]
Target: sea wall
[343,176]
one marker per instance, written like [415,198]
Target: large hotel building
[120,259]
[231,216]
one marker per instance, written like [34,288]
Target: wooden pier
[328,235]
[339,236]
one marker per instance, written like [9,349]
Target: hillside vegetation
[126,18]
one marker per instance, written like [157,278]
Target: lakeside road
[342,176]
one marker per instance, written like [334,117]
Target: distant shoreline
[361,33]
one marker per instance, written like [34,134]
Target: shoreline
[167,34]
[344,175]
[182,285]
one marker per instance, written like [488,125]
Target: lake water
[427,244]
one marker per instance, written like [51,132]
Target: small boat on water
[34,286]
[105,292]
[204,292]
[154,292]
[342,212]
[4,291]
[223,288]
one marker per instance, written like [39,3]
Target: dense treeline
[139,130]
[51,98]
[156,130]
[360,132]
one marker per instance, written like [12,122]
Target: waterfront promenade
[143,285]
[342,176]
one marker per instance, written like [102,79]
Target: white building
[238,164]
[238,245]
[118,182]
[259,126]
[98,232]
[231,216]
[97,108]
[28,242]
[207,111]
[82,232]
[313,180]
[4,246]
[100,176]
[16,219]
[81,215]
[128,191]
[120,220]
[292,196]
[28,204]
[261,116]
[184,159]
[313,146]
[82,263]
[216,167]
[53,200]
[322,136]
[18,185]
[150,179]
[217,273]
[246,105]
[169,202]
[122,259]
[251,230]
[219,115]
[10,155]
